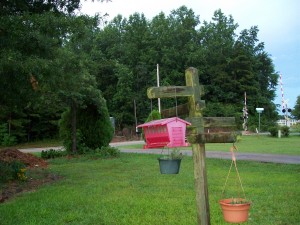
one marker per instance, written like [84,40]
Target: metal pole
[157,68]
[258,122]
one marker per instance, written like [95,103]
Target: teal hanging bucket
[169,166]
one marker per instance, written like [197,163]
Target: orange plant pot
[235,212]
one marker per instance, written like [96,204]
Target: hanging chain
[176,103]
[151,110]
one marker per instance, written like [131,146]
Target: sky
[277,20]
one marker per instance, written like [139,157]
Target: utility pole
[157,69]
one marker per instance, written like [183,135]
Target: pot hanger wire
[233,162]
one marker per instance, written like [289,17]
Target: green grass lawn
[130,190]
[252,144]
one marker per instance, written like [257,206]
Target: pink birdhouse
[169,132]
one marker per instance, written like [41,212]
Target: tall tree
[296,110]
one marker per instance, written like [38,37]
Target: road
[265,158]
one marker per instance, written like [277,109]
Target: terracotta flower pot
[235,210]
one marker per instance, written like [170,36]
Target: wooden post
[196,106]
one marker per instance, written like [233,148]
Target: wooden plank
[215,124]
[221,137]
[169,92]
[173,91]
[219,122]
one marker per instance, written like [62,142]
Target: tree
[296,110]
[73,81]
[29,35]
[45,42]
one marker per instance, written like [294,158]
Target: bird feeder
[169,132]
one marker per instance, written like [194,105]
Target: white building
[288,122]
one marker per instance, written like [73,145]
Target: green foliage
[274,131]
[154,115]
[285,130]
[52,153]
[5,138]
[296,110]
[173,153]
[14,170]
[71,58]
[107,152]
[94,128]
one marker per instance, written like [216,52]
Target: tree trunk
[73,126]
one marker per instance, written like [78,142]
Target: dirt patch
[37,174]
[31,161]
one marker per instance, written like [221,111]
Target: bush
[94,129]
[274,131]
[51,154]
[108,152]
[285,131]
[15,170]
[5,138]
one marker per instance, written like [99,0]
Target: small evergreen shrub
[274,131]
[285,131]
[8,140]
[5,138]
[108,152]
[51,154]
[93,126]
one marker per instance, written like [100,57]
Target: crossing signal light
[289,110]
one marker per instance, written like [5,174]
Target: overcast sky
[278,22]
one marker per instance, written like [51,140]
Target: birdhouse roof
[163,122]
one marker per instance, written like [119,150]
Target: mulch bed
[36,168]
[31,161]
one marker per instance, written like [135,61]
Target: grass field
[252,144]
[130,190]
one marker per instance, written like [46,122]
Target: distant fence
[288,122]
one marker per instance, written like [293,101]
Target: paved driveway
[266,158]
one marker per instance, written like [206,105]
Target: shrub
[274,131]
[14,170]
[51,154]
[94,129]
[108,152]
[19,170]
[285,131]
[5,138]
